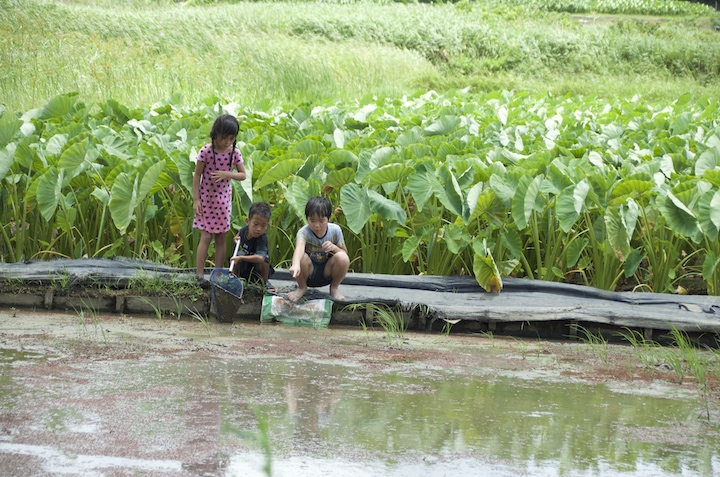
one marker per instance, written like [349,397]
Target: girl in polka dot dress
[212,189]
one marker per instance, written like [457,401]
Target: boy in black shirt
[252,261]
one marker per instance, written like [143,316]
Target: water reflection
[332,418]
[410,414]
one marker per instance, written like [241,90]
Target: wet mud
[115,395]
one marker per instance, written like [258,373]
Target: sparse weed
[597,343]
[158,311]
[390,320]
[201,318]
[647,351]
[62,280]
[178,307]
[262,437]
[698,361]
[489,335]
[89,313]
[523,347]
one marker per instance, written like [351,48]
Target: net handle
[237,247]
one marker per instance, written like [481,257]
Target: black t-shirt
[253,246]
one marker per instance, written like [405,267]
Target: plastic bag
[315,313]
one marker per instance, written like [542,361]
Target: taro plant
[496,184]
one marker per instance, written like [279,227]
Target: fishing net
[226,294]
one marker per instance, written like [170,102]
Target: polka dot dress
[216,197]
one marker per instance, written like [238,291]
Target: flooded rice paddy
[121,396]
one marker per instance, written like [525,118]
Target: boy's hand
[329,247]
[294,270]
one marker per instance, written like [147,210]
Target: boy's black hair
[260,209]
[319,206]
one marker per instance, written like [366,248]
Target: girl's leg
[202,251]
[336,268]
[220,250]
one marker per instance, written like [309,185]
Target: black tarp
[442,297]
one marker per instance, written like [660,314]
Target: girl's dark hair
[225,125]
[319,206]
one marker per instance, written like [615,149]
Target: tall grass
[142,55]
[141,52]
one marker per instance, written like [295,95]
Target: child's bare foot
[335,293]
[295,295]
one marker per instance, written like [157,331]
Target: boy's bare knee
[341,260]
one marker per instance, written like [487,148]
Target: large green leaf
[420,187]
[356,206]
[8,127]
[298,194]
[368,162]
[388,173]
[7,157]
[448,192]
[73,156]
[456,238]
[123,200]
[186,170]
[679,218]
[707,161]
[616,232]
[409,247]
[246,186]
[633,261]
[116,146]
[443,126]
[66,219]
[59,106]
[486,273]
[513,241]
[48,192]
[715,209]
[279,172]
[150,180]
[637,189]
[340,177]
[574,250]
[385,208]
[342,158]
[101,195]
[570,204]
[308,147]
[525,200]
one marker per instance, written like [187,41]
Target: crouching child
[320,256]
[252,261]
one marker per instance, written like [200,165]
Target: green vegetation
[563,142]
[277,53]
[501,184]
[390,320]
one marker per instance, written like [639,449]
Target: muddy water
[234,400]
